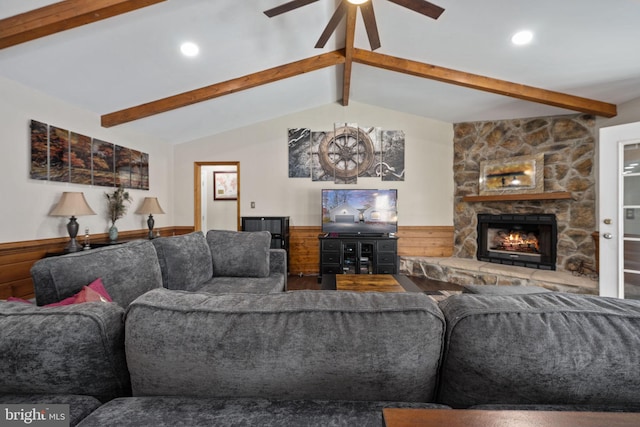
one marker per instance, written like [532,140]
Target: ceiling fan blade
[333,24]
[286,7]
[421,6]
[370,25]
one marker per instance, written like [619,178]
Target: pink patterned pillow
[95,291]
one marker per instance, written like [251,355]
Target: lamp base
[150,223]
[72,246]
[72,229]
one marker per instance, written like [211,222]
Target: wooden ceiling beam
[225,88]
[487,84]
[62,16]
[348,53]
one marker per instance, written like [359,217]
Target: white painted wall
[25,203]
[425,197]
[629,112]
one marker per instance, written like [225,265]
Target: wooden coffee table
[369,283]
[396,417]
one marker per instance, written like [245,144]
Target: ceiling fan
[366,6]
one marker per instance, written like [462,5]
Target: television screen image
[359,212]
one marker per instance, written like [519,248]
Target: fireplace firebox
[520,240]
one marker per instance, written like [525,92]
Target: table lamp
[150,206]
[72,203]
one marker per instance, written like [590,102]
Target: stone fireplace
[568,144]
[519,240]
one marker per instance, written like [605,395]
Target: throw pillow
[239,253]
[95,291]
[89,295]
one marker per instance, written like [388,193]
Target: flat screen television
[359,212]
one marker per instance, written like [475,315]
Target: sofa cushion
[548,348]
[79,406]
[73,349]
[288,345]
[239,253]
[185,261]
[127,271]
[175,411]
[253,285]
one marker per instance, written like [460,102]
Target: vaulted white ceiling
[586,48]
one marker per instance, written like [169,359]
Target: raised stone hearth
[471,272]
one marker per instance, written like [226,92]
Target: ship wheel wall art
[345,153]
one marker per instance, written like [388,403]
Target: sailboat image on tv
[359,212]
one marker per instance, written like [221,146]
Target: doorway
[619,211]
[221,213]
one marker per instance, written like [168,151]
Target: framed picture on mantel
[225,186]
[512,175]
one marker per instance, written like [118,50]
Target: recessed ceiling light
[189,49]
[357,1]
[522,37]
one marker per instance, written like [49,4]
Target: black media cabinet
[358,255]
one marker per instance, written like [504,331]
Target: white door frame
[610,211]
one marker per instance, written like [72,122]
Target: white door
[619,211]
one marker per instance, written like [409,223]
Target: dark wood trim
[418,241]
[486,84]
[62,16]
[348,53]
[16,258]
[197,191]
[225,88]
[518,197]
[347,56]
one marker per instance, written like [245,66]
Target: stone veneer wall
[568,144]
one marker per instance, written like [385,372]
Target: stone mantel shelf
[517,197]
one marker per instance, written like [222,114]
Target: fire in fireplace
[521,240]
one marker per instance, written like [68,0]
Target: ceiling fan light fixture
[189,49]
[522,37]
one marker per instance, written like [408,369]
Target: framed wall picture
[225,186]
[513,175]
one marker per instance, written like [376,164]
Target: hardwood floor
[310,282]
[301,283]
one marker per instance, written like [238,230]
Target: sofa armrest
[278,263]
[75,349]
[540,349]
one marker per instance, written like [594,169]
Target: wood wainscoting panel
[425,241]
[419,241]
[304,250]
[16,258]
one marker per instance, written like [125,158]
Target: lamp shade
[150,206]
[72,204]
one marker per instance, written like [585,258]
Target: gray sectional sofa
[186,357]
[220,262]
